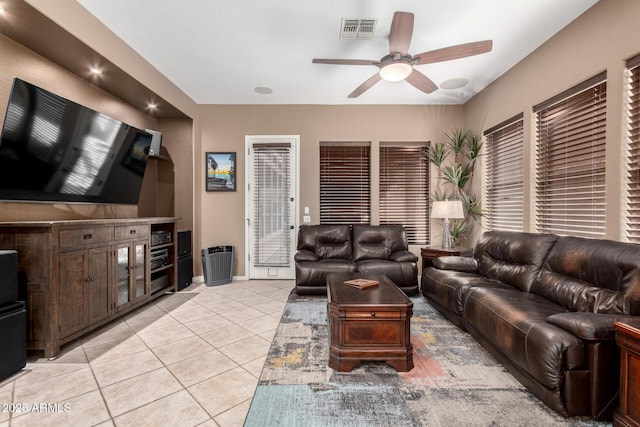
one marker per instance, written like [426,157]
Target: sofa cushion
[448,287]
[588,326]
[588,275]
[512,257]
[315,273]
[378,241]
[326,241]
[305,255]
[515,322]
[403,256]
[457,263]
[402,274]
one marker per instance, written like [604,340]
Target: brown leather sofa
[544,306]
[375,249]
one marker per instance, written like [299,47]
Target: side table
[431,252]
[628,339]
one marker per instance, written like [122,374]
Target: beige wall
[177,135]
[221,216]
[601,39]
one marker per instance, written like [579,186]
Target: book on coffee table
[361,283]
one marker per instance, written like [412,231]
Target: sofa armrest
[403,256]
[588,326]
[457,263]
[305,255]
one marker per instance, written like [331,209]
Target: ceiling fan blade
[365,86]
[345,61]
[422,82]
[454,52]
[401,32]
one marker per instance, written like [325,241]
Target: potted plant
[455,158]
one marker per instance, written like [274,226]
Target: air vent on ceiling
[357,28]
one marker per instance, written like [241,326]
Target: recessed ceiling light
[95,71]
[263,90]
[152,105]
[1,9]
[454,83]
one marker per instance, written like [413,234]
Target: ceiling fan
[398,64]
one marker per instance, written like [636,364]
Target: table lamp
[446,209]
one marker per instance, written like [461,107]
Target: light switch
[306,218]
[306,210]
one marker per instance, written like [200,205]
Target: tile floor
[192,358]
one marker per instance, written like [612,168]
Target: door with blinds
[271,206]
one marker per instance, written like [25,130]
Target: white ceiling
[218,51]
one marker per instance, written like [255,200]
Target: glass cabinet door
[123,275]
[140,270]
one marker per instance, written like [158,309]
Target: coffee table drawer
[369,314]
[373,333]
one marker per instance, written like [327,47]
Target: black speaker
[184,243]
[156,142]
[8,277]
[13,338]
[185,271]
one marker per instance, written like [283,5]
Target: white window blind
[505,175]
[571,161]
[633,151]
[404,189]
[271,203]
[344,183]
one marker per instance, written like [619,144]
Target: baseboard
[201,278]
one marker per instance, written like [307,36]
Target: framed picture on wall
[220,170]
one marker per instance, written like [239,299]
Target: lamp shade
[447,209]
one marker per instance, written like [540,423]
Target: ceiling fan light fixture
[396,71]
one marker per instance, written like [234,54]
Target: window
[344,183]
[404,189]
[570,173]
[504,175]
[633,152]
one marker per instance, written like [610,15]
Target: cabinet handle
[132,231]
[373,314]
[87,236]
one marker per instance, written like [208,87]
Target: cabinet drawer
[372,314]
[126,232]
[84,236]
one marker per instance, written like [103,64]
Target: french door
[271,206]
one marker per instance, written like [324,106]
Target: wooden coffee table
[370,324]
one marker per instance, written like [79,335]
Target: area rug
[454,382]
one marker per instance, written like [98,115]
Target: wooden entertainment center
[77,275]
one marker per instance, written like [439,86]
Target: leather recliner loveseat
[544,306]
[374,249]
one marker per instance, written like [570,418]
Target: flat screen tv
[55,150]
